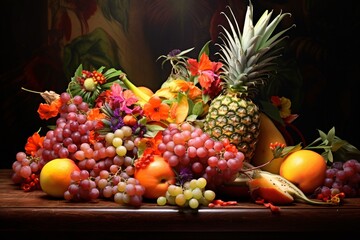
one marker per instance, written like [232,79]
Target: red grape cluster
[112,183]
[72,129]
[26,170]
[188,147]
[341,177]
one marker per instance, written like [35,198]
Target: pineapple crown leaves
[249,56]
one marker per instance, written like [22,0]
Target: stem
[28,90]
[262,165]
[307,200]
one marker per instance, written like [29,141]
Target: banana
[142,96]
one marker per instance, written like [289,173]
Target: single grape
[161,201]
[180,199]
[193,203]
[197,193]
[209,195]
[201,182]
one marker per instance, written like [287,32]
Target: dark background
[322,52]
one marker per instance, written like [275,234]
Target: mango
[269,133]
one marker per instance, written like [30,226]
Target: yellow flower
[285,107]
[283,104]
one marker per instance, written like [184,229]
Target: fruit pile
[70,166]
[202,131]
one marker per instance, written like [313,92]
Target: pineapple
[248,60]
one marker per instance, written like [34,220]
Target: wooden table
[34,213]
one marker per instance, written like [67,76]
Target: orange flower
[194,91]
[33,144]
[155,109]
[150,145]
[47,111]
[95,114]
[92,138]
[173,108]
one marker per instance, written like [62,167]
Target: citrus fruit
[55,176]
[305,168]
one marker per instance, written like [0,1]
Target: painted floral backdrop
[47,40]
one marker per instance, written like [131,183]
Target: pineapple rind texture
[236,119]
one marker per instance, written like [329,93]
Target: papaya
[269,133]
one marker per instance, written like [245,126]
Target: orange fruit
[155,177]
[55,176]
[304,168]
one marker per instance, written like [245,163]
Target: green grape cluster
[191,194]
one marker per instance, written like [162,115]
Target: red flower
[47,111]
[33,144]
[205,70]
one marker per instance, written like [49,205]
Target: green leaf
[323,136]
[109,84]
[100,69]
[346,151]
[142,121]
[331,135]
[197,109]
[272,111]
[182,53]
[337,144]
[290,149]
[334,148]
[205,98]
[328,156]
[152,130]
[191,118]
[154,127]
[78,71]
[204,49]
[111,73]
[195,80]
